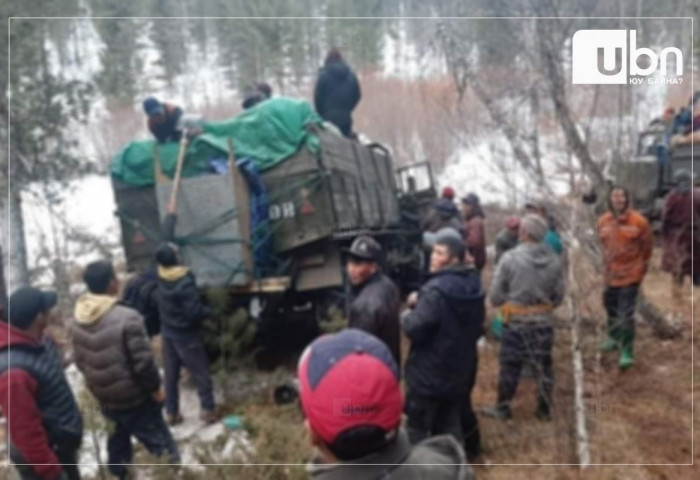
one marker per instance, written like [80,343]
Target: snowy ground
[191,436]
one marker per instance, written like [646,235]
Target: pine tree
[43,105]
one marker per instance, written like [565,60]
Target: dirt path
[642,416]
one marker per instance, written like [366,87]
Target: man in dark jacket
[337,92]
[163,120]
[181,314]
[112,351]
[376,305]
[527,286]
[140,294]
[443,213]
[350,394]
[507,239]
[444,326]
[43,420]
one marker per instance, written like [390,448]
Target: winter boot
[627,353]
[501,411]
[626,357]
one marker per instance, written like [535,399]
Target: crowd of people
[350,382]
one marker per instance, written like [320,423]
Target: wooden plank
[266,285]
[242,199]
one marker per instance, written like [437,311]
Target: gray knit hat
[534,226]
[447,236]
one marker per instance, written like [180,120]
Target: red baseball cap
[349,379]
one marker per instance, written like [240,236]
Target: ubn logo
[602,57]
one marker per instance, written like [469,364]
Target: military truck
[313,204]
[649,174]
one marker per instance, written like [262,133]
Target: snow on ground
[191,436]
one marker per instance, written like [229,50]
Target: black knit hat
[28,302]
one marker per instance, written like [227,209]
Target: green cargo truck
[329,191]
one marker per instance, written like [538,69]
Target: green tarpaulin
[269,133]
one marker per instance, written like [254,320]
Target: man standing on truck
[43,419]
[376,304]
[444,325]
[337,92]
[163,120]
[628,243]
[527,286]
[112,351]
[181,314]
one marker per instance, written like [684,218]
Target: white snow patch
[190,436]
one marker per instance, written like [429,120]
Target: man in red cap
[351,397]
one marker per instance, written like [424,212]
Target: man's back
[112,351]
[438,458]
[530,274]
[179,305]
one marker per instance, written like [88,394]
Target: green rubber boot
[626,358]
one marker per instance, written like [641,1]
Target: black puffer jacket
[444,328]
[179,304]
[376,309]
[112,351]
[336,95]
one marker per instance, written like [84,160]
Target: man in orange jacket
[627,242]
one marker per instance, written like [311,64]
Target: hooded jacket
[530,274]
[376,309]
[444,328]
[443,213]
[179,304]
[336,95]
[35,396]
[437,458]
[112,350]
